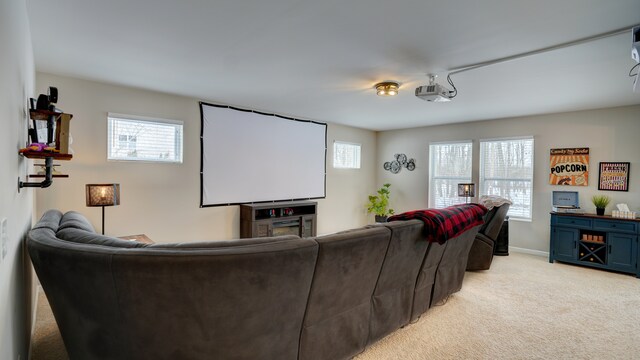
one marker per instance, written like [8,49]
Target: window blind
[506,170]
[449,165]
[139,139]
[346,155]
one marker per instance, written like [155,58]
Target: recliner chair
[481,253]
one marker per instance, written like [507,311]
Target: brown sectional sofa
[264,298]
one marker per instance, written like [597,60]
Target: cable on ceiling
[464,68]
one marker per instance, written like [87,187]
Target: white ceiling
[319,60]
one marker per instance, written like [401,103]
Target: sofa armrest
[482,237]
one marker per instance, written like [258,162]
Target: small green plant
[379,204]
[600,201]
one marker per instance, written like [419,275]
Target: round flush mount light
[387,88]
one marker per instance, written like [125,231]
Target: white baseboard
[34,314]
[529,251]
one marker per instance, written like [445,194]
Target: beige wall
[16,86]
[162,200]
[611,135]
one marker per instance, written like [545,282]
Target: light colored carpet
[523,308]
[46,343]
[526,308]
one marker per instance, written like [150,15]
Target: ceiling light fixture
[387,88]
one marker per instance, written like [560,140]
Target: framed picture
[569,166]
[614,176]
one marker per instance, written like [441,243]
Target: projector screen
[250,157]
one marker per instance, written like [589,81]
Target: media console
[596,241]
[281,218]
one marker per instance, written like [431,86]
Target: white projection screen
[250,157]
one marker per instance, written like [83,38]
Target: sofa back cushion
[74,227]
[87,237]
[494,221]
[394,292]
[336,324]
[75,220]
[451,269]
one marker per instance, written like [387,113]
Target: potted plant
[600,202]
[379,204]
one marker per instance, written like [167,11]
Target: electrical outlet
[3,237]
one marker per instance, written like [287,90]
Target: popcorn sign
[569,167]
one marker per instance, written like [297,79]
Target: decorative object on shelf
[569,167]
[44,103]
[387,88]
[600,202]
[623,212]
[57,123]
[400,161]
[43,168]
[614,176]
[103,195]
[379,204]
[466,190]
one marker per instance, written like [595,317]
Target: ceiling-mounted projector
[433,92]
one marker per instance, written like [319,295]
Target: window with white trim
[346,155]
[134,138]
[506,170]
[449,165]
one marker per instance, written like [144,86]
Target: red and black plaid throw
[443,224]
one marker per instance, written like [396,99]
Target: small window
[134,138]
[346,155]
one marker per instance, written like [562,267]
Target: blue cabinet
[565,242]
[622,252]
[595,241]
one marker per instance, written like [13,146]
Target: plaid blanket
[443,224]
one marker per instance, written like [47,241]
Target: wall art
[400,161]
[569,166]
[614,176]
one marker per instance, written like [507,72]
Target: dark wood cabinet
[275,219]
[595,241]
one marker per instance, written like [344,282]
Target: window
[449,165]
[346,155]
[142,139]
[506,170]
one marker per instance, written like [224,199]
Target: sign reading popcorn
[569,167]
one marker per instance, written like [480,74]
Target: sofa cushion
[50,220]
[75,220]
[393,296]
[254,243]
[336,324]
[87,237]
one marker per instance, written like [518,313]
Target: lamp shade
[467,189]
[103,194]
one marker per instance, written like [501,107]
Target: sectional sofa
[263,298]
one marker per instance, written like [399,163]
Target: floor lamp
[103,195]
[467,190]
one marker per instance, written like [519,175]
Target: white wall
[16,86]
[611,135]
[162,200]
